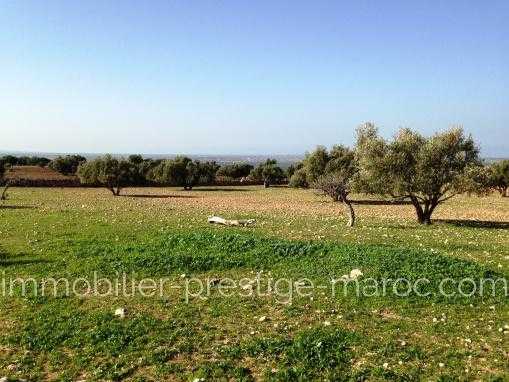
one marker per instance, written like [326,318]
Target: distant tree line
[424,171]
[181,171]
[11,160]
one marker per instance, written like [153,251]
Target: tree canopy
[321,162]
[425,170]
[112,173]
[235,170]
[184,172]
[24,160]
[268,172]
[68,164]
[499,176]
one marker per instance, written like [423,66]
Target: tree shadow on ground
[473,223]
[221,189]
[8,261]
[381,202]
[3,207]
[156,196]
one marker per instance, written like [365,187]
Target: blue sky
[253,77]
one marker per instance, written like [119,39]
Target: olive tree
[499,177]
[109,172]
[235,170]
[338,179]
[320,162]
[268,172]
[426,171]
[184,172]
[68,164]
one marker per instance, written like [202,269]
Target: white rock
[355,273]
[121,312]
[262,318]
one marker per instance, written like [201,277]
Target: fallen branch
[220,220]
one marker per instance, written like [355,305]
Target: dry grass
[35,173]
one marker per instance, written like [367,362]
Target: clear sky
[254,77]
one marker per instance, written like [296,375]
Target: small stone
[327,323]
[385,365]
[355,273]
[262,318]
[121,312]
[441,364]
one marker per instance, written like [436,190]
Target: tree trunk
[4,192]
[266,184]
[418,209]
[350,212]
[504,192]
[117,192]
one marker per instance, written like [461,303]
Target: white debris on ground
[354,275]
[121,312]
[235,223]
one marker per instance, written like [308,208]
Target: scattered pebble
[121,312]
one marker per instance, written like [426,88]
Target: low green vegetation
[276,334]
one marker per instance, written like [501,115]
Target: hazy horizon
[248,78]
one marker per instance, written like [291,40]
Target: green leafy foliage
[24,160]
[184,172]
[109,172]
[235,170]
[340,160]
[268,172]
[313,354]
[67,165]
[424,170]
[499,177]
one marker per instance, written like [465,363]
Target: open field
[163,233]
[35,173]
